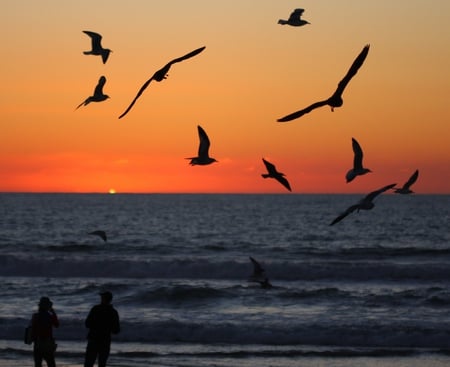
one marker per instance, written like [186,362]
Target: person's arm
[54,318]
[116,323]
[88,321]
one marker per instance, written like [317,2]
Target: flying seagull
[160,75]
[273,173]
[336,99]
[405,189]
[101,234]
[97,48]
[358,168]
[294,19]
[203,157]
[258,271]
[259,274]
[365,203]
[98,94]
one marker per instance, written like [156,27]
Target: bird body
[97,48]
[358,169]
[294,19]
[365,203]
[160,75]
[405,189]
[336,99]
[203,157]
[273,173]
[98,95]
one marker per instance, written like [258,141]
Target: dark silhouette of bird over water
[101,234]
[203,157]
[294,19]
[160,75]
[358,169]
[258,271]
[336,99]
[405,189]
[259,274]
[365,203]
[273,173]
[98,94]
[97,49]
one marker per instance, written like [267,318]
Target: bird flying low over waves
[365,203]
[273,173]
[101,234]
[97,48]
[203,157]
[294,19]
[160,75]
[98,94]
[405,189]
[358,168]
[336,99]
[259,275]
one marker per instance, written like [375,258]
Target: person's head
[106,297]
[45,303]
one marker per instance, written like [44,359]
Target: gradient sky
[252,72]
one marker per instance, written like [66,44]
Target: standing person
[102,321]
[42,324]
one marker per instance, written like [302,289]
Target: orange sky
[252,72]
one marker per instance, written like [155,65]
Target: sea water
[373,289]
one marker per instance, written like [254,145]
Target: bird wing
[281,179]
[357,155]
[187,56]
[300,113]
[375,193]
[258,270]
[95,38]
[296,14]
[271,169]
[98,91]
[411,180]
[101,234]
[352,71]
[341,216]
[137,96]
[204,144]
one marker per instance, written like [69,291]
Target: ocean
[371,290]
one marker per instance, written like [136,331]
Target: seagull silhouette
[203,157]
[336,99]
[294,19]
[259,274]
[98,94]
[258,270]
[273,173]
[160,75]
[358,168]
[101,234]
[405,189]
[365,203]
[97,49]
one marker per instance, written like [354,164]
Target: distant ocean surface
[372,290]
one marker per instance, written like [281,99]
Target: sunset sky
[252,72]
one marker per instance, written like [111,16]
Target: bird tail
[282,21]
[265,175]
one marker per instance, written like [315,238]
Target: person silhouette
[42,323]
[102,321]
